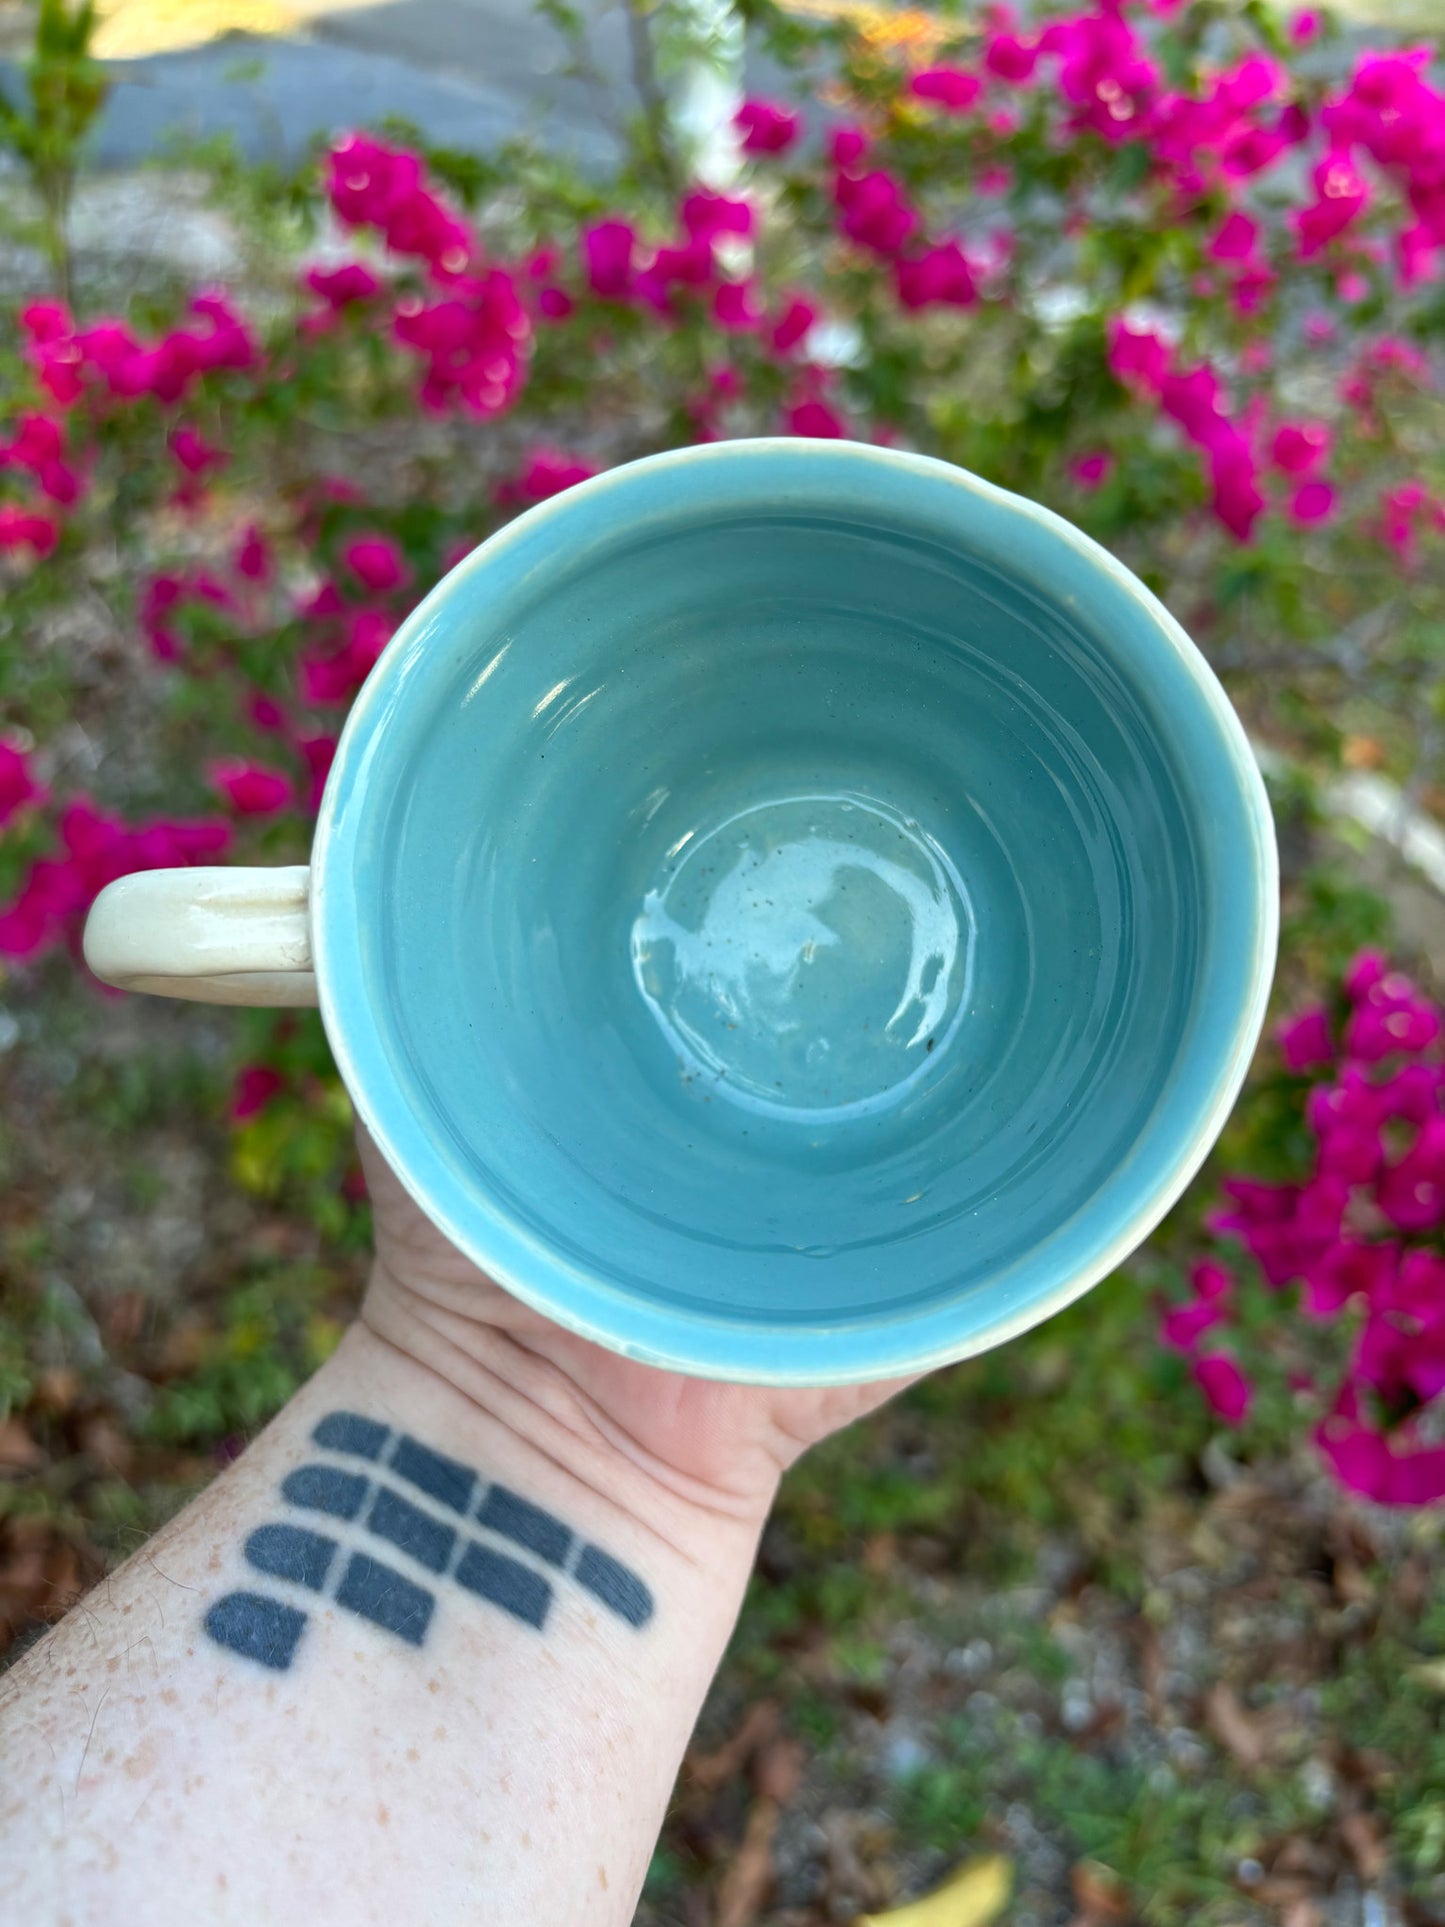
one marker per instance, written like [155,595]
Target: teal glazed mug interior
[791,911]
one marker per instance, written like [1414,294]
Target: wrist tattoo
[442,1518]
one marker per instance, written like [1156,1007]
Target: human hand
[721,1446]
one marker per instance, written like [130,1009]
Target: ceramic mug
[791,911]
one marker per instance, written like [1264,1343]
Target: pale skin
[495,1771]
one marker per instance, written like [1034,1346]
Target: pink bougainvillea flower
[1350,1152]
[953,88]
[607,255]
[1346,1271]
[377,563]
[709,217]
[1305,1041]
[1237,499]
[46,320]
[1010,57]
[1416,1288]
[793,324]
[814,418]
[319,752]
[1298,447]
[848,146]
[1411,1194]
[547,472]
[1358,1456]
[1412,1095]
[60,482]
[368,633]
[1312,502]
[1137,355]
[1193,397]
[1352,287]
[1224,1385]
[1342,195]
[1304,26]
[1285,1246]
[194,453]
[692,264]
[1105,71]
[938,277]
[1365,970]
[1354,1103]
[1182,1326]
[250,788]
[1234,238]
[1417,1478]
[475,343]
[23,529]
[372,185]
[1388,1017]
[1417,254]
[1404,512]
[1255,1203]
[252,558]
[18,787]
[38,443]
[341,287]
[328,678]
[255,1086]
[875,211]
[322,602]
[1210,1280]
[94,849]
[766,127]
[1093,470]
[737,307]
[265,712]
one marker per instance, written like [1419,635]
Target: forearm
[453,1707]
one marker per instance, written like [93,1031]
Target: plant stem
[650,92]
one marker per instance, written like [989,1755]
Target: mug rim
[715,1345]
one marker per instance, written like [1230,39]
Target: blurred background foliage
[1050,1603]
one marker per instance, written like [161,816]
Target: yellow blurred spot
[129,29]
[908,30]
[972,1897]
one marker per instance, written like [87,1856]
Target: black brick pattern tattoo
[321,1488]
[440,1478]
[290,1552]
[527,1524]
[389,1600]
[616,1585]
[509,1584]
[259,1627]
[428,1541]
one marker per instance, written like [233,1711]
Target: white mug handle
[214,935]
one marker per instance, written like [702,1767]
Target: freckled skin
[328,1792]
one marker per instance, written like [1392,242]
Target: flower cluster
[473,329]
[1359,1235]
[906,274]
[110,360]
[1237,453]
[93,849]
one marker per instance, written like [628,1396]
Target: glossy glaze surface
[793,911]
